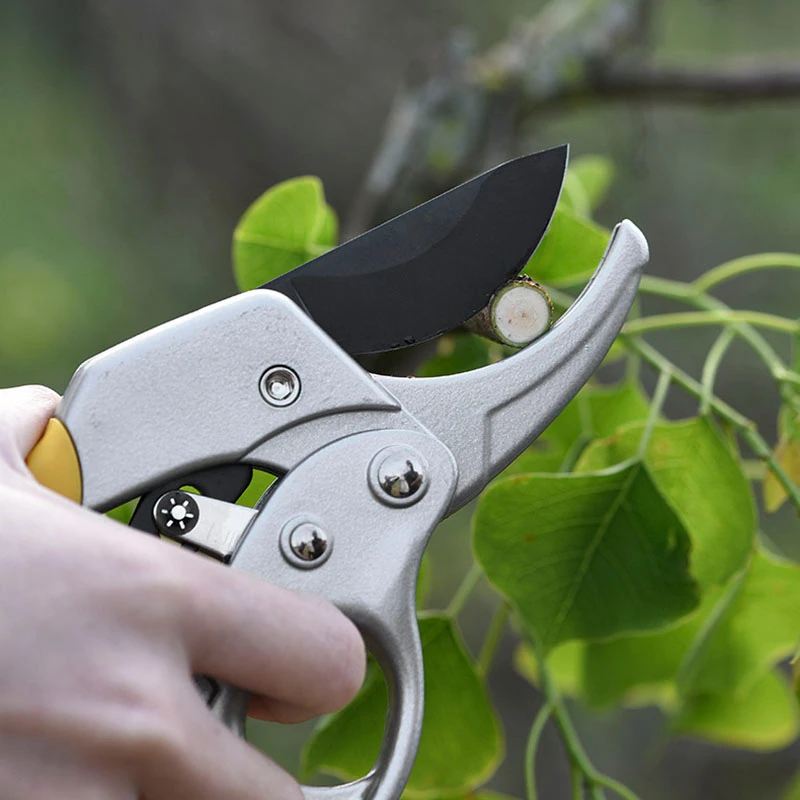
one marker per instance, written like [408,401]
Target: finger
[271,710]
[293,648]
[205,761]
[24,412]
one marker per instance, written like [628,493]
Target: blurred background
[133,136]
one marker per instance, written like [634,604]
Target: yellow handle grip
[54,462]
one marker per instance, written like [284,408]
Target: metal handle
[375,530]
[513,401]
[399,653]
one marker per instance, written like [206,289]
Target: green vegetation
[625,547]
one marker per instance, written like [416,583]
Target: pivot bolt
[304,543]
[176,513]
[398,475]
[280,386]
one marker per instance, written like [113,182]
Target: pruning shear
[370,464]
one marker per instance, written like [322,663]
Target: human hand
[101,630]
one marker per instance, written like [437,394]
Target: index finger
[296,650]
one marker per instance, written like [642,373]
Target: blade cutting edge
[431,268]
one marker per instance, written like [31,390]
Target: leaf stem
[615,786]
[575,752]
[711,367]
[633,366]
[465,589]
[539,723]
[576,777]
[492,640]
[657,403]
[689,319]
[688,293]
[746,427]
[739,266]
[578,759]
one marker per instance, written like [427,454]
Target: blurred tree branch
[574,52]
[729,84]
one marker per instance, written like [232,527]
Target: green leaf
[613,406]
[596,174]
[585,556]
[599,409]
[753,627]
[259,484]
[456,352]
[586,184]
[764,718]
[632,671]
[787,451]
[124,512]
[570,251]
[565,662]
[641,670]
[461,744]
[288,225]
[787,454]
[424,579]
[694,468]
[738,634]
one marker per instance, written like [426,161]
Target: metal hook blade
[502,408]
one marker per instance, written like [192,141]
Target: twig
[399,131]
[745,426]
[660,395]
[573,52]
[464,591]
[711,367]
[729,84]
[532,746]
[740,266]
[492,640]
[690,294]
[698,318]
[578,759]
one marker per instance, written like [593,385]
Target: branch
[701,85]
[469,114]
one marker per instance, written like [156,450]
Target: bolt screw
[308,541]
[280,386]
[398,475]
[304,543]
[176,513]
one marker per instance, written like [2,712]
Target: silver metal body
[190,394]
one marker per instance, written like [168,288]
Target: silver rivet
[398,475]
[280,386]
[308,541]
[304,543]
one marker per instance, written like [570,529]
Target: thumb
[24,412]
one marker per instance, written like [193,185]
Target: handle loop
[370,574]
[398,651]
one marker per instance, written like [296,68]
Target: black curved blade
[430,269]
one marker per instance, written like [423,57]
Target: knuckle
[150,731]
[170,585]
[162,585]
